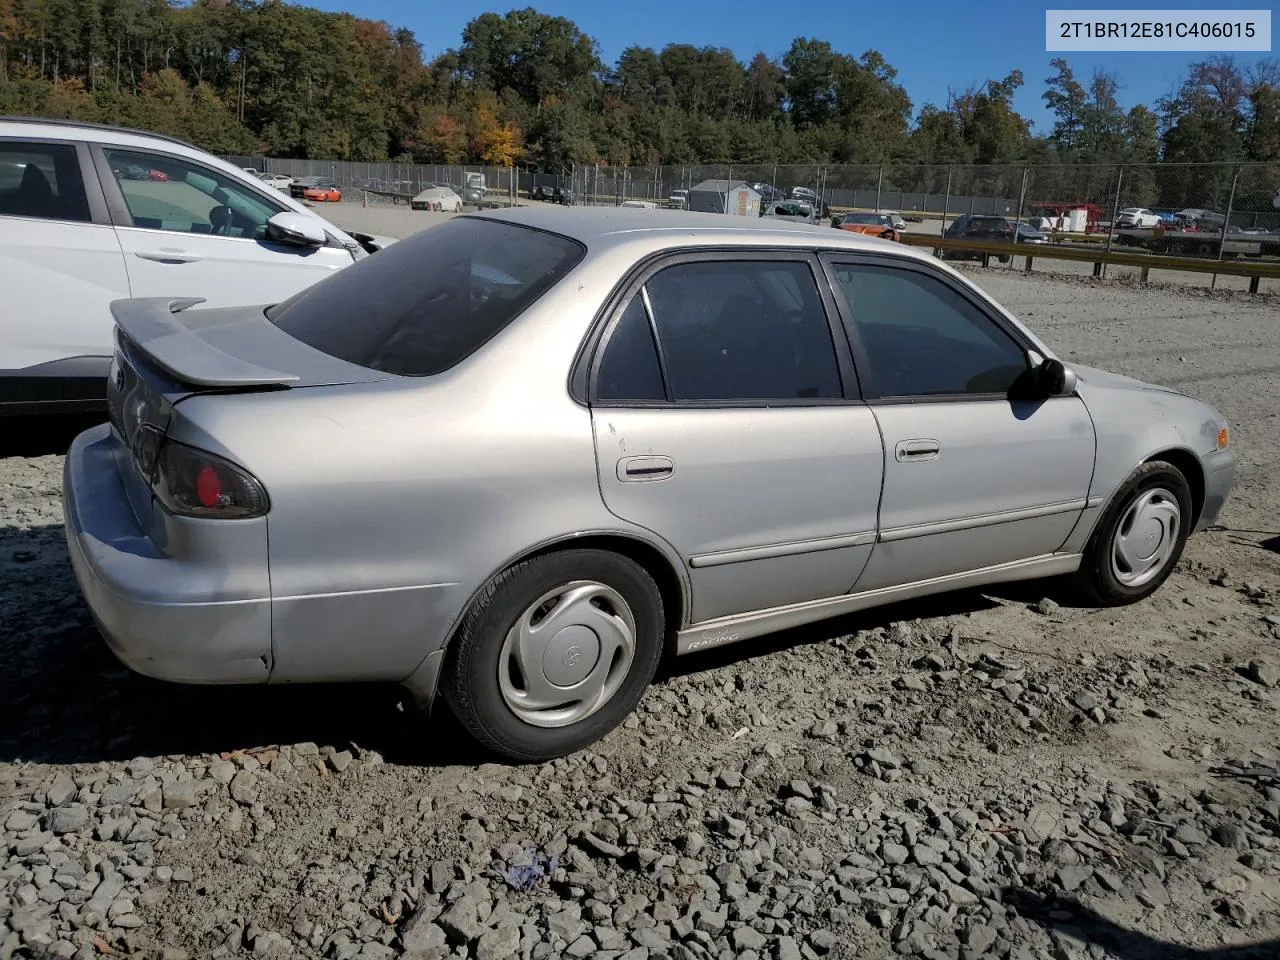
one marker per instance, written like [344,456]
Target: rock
[1070,878]
[566,925]
[61,791]
[884,757]
[460,921]
[500,943]
[1043,822]
[786,948]
[925,855]
[340,760]
[1262,673]
[1048,607]
[68,819]
[823,941]
[177,796]
[584,946]
[1231,835]
[747,938]
[980,937]
[419,934]
[893,853]
[601,847]
[1085,700]
[244,787]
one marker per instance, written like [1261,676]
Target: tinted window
[429,301]
[629,369]
[924,339]
[164,193]
[41,180]
[735,330]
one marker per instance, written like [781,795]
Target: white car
[1137,218]
[90,214]
[437,196]
[895,218]
[639,204]
[277,180]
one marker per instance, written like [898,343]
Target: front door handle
[633,469]
[168,256]
[912,450]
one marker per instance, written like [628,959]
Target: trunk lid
[166,353]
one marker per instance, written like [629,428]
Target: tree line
[526,88]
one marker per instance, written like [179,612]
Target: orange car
[872,224]
[323,192]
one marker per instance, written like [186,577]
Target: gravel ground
[988,774]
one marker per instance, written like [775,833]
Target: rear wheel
[1140,537]
[555,653]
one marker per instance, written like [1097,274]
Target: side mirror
[1056,378]
[296,229]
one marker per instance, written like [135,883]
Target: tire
[1154,502]
[483,682]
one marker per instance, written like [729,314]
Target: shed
[725,196]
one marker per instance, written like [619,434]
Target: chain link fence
[1202,210]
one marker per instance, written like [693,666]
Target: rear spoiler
[151,323]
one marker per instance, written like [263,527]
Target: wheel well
[653,561]
[1188,465]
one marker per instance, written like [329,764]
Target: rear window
[427,303]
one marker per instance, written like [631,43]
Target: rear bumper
[202,618]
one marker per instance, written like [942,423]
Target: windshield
[865,218]
[428,302]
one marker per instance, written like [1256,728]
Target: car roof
[51,126]
[602,227]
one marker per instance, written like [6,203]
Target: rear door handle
[913,450]
[168,256]
[633,469]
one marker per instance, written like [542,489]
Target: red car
[157,175]
[323,193]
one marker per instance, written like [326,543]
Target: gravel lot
[989,774]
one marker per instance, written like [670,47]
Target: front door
[726,422]
[978,470]
[188,230]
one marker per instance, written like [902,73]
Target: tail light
[194,483]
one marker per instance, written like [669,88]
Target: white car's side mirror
[296,229]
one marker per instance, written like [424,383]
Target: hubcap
[1146,537]
[567,655]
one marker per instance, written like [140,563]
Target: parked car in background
[679,199]
[439,196]
[277,180]
[326,191]
[871,224]
[972,226]
[638,204]
[1137,217]
[518,478]
[805,195]
[790,210]
[898,223]
[83,223]
[300,185]
[768,192]
[1029,234]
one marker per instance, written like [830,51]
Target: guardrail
[1255,271]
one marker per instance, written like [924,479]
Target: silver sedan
[521,456]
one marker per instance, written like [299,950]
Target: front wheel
[555,653]
[1140,537]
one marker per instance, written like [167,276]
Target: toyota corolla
[521,456]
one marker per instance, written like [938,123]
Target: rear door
[727,422]
[60,267]
[188,230]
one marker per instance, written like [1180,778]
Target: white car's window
[743,330]
[924,339]
[164,193]
[41,180]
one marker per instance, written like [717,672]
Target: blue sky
[934,44]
